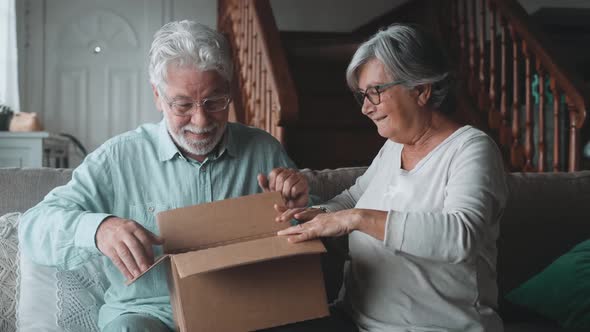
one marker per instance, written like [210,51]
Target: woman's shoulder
[468,135]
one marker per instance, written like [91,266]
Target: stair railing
[512,71]
[265,94]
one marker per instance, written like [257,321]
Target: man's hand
[290,183]
[127,244]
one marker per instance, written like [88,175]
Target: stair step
[316,76]
[332,148]
[335,111]
[320,45]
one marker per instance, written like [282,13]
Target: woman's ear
[424,92]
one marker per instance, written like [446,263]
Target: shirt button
[203,169]
[151,209]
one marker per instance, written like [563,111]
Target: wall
[533,5]
[328,15]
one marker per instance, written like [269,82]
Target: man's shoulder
[246,135]
[144,137]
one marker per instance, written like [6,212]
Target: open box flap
[158,261]
[208,225]
[242,253]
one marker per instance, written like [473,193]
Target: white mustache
[198,131]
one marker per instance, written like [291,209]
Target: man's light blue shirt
[136,175]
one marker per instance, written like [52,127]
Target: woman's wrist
[371,222]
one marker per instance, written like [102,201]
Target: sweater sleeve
[475,196]
[60,230]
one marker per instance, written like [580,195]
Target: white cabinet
[21,149]
[33,149]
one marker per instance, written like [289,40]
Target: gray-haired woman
[423,219]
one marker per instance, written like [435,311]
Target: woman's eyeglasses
[373,94]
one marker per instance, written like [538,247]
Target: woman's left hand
[324,225]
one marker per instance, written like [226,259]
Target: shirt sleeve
[60,230]
[349,197]
[475,196]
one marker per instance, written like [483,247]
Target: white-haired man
[192,156]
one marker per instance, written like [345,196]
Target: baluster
[528,135]
[243,44]
[482,74]
[454,26]
[244,50]
[541,145]
[254,87]
[472,78]
[516,153]
[264,102]
[574,137]
[242,59]
[556,98]
[250,36]
[259,86]
[462,35]
[504,129]
[494,118]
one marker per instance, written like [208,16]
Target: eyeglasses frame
[378,88]
[198,103]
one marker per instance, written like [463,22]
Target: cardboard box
[231,272]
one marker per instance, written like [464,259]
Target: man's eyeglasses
[373,94]
[185,107]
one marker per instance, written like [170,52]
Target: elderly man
[193,156]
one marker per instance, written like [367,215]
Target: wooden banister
[264,88]
[524,53]
[500,54]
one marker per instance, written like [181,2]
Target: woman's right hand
[300,214]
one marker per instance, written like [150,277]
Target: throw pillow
[561,291]
[8,271]
[51,300]
[37,301]
[80,295]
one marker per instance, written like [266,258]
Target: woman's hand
[320,224]
[291,183]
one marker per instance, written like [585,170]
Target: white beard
[197,147]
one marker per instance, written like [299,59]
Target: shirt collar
[167,149]
[227,144]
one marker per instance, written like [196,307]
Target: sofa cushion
[546,215]
[562,290]
[52,300]
[37,300]
[22,188]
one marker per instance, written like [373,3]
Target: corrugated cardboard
[230,272]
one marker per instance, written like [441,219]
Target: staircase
[330,131]
[292,84]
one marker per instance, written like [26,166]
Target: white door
[86,64]
[96,85]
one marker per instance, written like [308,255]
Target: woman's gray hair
[187,43]
[409,55]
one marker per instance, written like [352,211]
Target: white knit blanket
[79,292]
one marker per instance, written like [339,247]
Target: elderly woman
[422,221]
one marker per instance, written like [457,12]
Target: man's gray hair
[410,55]
[187,43]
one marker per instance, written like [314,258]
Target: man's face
[197,132]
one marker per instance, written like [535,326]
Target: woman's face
[398,115]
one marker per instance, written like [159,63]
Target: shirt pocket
[145,214]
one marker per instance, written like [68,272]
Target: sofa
[546,215]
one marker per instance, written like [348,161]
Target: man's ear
[157,98]
[424,92]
